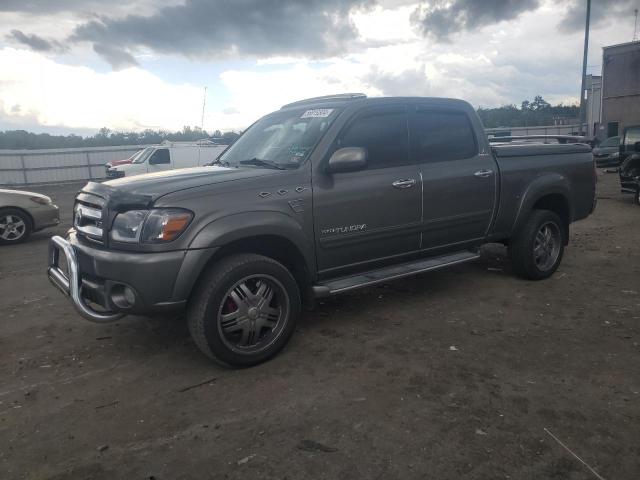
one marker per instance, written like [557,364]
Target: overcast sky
[78,65]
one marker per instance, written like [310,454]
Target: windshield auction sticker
[317,113]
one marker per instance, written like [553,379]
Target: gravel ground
[452,374]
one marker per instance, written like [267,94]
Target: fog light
[123,296]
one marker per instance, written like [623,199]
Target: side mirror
[348,159]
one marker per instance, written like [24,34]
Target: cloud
[43,92]
[215,29]
[117,58]
[602,11]
[442,18]
[35,42]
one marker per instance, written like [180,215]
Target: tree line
[21,139]
[528,114]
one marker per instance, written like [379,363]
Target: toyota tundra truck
[321,197]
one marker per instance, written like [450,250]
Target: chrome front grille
[87,219]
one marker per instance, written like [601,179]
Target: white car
[167,156]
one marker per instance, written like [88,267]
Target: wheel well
[275,247]
[558,204]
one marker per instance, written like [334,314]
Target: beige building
[620,88]
[593,87]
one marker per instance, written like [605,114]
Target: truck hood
[142,190]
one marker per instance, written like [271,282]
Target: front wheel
[537,250]
[244,310]
[15,225]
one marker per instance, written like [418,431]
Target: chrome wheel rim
[12,228]
[546,246]
[252,314]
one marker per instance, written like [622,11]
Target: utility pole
[204,102]
[635,26]
[584,69]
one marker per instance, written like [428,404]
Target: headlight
[128,225]
[614,155]
[150,226]
[41,200]
[165,225]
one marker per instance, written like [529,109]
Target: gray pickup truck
[323,196]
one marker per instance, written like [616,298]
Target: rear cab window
[440,135]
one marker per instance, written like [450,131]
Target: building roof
[619,45]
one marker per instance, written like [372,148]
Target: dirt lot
[451,375]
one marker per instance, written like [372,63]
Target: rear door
[159,160]
[458,181]
[364,216]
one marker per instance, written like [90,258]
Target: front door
[373,214]
[459,181]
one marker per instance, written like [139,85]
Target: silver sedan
[22,213]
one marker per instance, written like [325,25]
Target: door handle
[404,183]
[484,173]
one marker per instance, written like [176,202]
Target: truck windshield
[631,136]
[281,140]
[142,155]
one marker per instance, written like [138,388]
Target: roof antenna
[635,26]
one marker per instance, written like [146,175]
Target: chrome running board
[393,272]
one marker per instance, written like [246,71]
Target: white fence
[25,167]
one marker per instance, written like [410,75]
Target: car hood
[22,193]
[144,189]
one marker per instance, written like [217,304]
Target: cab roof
[346,99]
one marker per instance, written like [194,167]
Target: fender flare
[226,230]
[239,226]
[546,184]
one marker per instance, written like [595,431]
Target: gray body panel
[341,223]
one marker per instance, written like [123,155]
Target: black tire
[24,221]
[213,294]
[526,263]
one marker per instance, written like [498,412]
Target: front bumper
[69,283]
[158,282]
[45,216]
[606,161]
[114,173]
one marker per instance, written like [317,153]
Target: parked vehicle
[607,154]
[168,156]
[323,196]
[131,159]
[630,156]
[22,213]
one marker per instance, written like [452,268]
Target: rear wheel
[15,225]
[537,250]
[244,310]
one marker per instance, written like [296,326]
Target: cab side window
[442,135]
[160,157]
[383,133]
